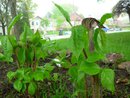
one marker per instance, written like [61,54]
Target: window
[36,23]
[32,23]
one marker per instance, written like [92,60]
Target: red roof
[75,17]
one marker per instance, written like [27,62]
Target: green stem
[85,77]
[17,61]
[96,87]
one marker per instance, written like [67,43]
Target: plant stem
[85,77]
[96,87]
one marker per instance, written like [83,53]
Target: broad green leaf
[96,39]
[24,88]
[13,41]
[73,59]
[20,73]
[103,37]
[95,56]
[38,75]
[30,54]
[26,33]
[7,48]
[2,57]
[99,38]
[73,72]
[18,85]
[13,22]
[36,38]
[89,68]
[105,17]
[27,78]
[81,75]
[11,75]
[39,53]
[79,40]
[64,13]
[32,88]
[107,79]
[21,55]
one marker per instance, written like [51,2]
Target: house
[76,19]
[35,24]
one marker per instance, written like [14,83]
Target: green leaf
[81,75]
[11,75]
[79,40]
[64,13]
[105,17]
[13,22]
[99,38]
[89,68]
[38,75]
[32,88]
[73,72]
[39,53]
[2,57]
[13,41]
[26,33]
[107,79]
[103,37]
[96,39]
[30,54]
[20,73]
[24,88]
[27,78]
[21,55]
[95,56]
[7,48]
[18,85]
[36,38]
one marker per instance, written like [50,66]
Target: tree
[44,22]
[4,14]
[25,7]
[123,6]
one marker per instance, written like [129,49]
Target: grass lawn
[119,43]
[116,42]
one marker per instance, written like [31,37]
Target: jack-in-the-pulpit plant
[88,41]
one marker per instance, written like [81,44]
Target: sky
[85,7]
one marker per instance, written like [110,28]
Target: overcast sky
[86,7]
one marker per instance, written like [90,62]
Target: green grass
[116,42]
[119,43]
[52,32]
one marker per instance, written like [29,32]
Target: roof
[75,17]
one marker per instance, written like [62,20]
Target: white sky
[86,7]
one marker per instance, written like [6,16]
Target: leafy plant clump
[26,52]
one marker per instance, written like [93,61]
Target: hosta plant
[26,52]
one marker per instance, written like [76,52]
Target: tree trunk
[13,14]
[3,28]
[129,16]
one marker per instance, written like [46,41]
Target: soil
[122,81]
